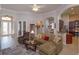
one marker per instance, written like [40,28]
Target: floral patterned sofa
[51,47]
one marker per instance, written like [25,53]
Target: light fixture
[6,18]
[32,32]
[39,24]
[72,8]
[35,8]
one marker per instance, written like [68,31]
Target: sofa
[40,40]
[51,47]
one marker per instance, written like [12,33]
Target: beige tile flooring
[71,49]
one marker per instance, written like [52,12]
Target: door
[6,28]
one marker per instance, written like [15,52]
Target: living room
[20,23]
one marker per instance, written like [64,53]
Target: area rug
[18,50]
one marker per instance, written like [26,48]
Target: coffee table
[31,44]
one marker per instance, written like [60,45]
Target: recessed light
[72,8]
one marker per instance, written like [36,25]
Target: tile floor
[8,41]
[71,49]
[8,49]
[18,50]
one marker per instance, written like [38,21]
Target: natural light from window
[6,18]
[6,25]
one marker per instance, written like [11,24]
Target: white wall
[54,14]
[30,18]
[11,13]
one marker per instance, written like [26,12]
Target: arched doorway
[70,17]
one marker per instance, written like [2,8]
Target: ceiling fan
[36,7]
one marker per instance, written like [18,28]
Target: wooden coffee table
[31,44]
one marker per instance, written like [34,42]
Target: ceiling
[28,7]
[72,11]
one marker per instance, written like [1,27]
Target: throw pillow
[45,37]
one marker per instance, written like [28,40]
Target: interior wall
[14,15]
[32,18]
[17,16]
[29,18]
[57,16]
[11,13]
[66,19]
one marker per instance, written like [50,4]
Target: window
[7,27]
[4,28]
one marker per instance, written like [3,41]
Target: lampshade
[32,32]
[39,24]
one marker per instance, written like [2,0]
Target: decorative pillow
[45,37]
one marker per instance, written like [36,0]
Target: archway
[70,17]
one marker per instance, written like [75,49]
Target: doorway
[71,24]
[6,28]
[6,32]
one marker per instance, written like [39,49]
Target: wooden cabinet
[74,27]
[69,38]
[77,28]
